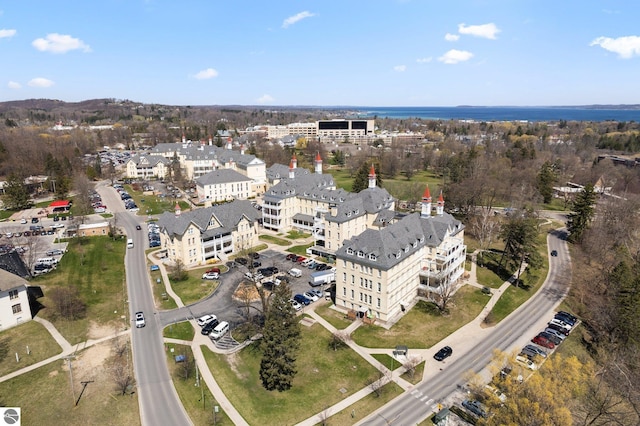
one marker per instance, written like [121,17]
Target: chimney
[318,163]
[426,203]
[241,149]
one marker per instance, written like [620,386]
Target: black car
[253,255]
[207,329]
[231,264]
[554,253]
[257,264]
[550,337]
[321,266]
[138,227]
[443,353]
[475,407]
[558,328]
[566,317]
[241,260]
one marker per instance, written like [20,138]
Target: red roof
[60,203]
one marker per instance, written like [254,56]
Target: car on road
[140,322]
[138,227]
[295,305]
[545,343]
[443,353]
[302,299]
[23,221]
[205,319]
[208,328]
[210,276]
[554,253]
[475,407]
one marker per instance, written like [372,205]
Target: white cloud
[626,47]
[423,60]
[265,99]
[451,37]
[7,33]
[454,56]
[296,18]
[485,31]
[400,68]
[206,74]
[40,82]
[14,85]
[59,43]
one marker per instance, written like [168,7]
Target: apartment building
[14,300]
[379,272]
[223,185]
[202,235]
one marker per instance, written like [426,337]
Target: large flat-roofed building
[343,128]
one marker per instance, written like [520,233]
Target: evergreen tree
[280,342]
[361,179]
[16,196]
[520,235]
[582,214]
[545,180]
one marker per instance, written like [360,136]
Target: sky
[323,53]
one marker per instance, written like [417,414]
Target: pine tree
[582,214]
[280,342]
[545,180]
[16,196]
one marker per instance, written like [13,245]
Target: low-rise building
[14,300]
[224,185]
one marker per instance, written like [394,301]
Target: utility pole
[69,358]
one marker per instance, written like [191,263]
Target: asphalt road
[413,407]
[158,399]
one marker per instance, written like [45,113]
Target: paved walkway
[458,338]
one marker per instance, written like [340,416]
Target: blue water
[499,113]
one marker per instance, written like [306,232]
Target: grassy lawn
[295,235]
[365,406]
[388,361]
[194,288]
[275,240]
[198,401]
[93,265]
[45,397]
[322,374]
[417,374]
[159,290]
[16,340]
[182,330]
[154,205]
[6,214]
[300,250]
[424,325]
[335,318]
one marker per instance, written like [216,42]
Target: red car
[544,342]
[300,259]
[213,271]
[292,256]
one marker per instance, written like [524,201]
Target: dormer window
[399,254]
[348,214]
[373,257]
[349,250]
[361,254]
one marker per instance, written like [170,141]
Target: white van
[47,261]
[130,243]
[219,331]
[295,272]
[307,262]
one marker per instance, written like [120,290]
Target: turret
[318,164]
[440,207]
[426,203]
[372,177]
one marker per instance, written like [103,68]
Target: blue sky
[326,53]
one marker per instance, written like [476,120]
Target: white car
[205,319]
[210,276]
[23,221]
[295,305]
[527,362]
[311,296]
[140,322]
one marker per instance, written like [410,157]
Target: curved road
[413,407]
[158,399]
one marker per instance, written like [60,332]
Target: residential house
[14,300]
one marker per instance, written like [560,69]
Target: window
[13,294]
[344,291]
[353,279]
[361,254]
[373,257]
[16,308]
[349,250]
[344,277]
[379,289]
[378,302]
[352,294]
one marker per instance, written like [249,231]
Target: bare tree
[484,226]
[377,384]
[67,302]
[121,375]
[186,367]
[339,339]
[410,365]
[442,293]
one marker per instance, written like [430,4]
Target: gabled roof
[149,160]
[221,176]
[228,215]
[389,246]
[12,264]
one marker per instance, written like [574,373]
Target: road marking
[415,391]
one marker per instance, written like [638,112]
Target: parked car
[556,333]
[242,260]
[280,278]
[210,276]
[205,319]
[231,264]
[295,272]
[291,256]
[300,259]
[566,317]
[526,362]
[321,266]
[253,255]
[301,299]
[140,322]
[443,353]
[555,339]
[558,328]
[539,351]
[295,305]
[55,252]
[208,328]
[311,296]
[560,323]
[213,270]
[475,407]
[545,343]
[268,285]
[312,264]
